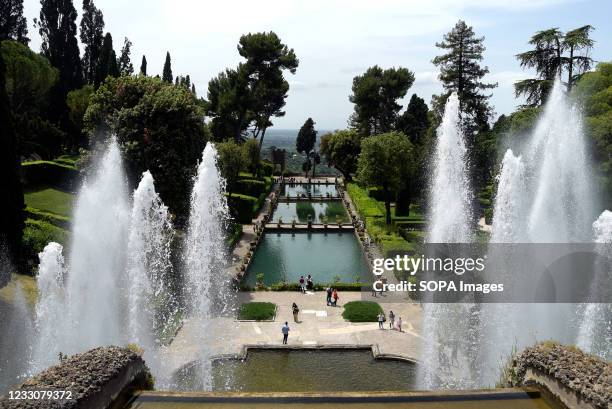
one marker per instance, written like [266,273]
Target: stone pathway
[319,325]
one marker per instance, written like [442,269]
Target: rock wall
[575,379]
[97,379]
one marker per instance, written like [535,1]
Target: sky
[335,40]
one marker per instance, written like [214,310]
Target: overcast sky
[338,39]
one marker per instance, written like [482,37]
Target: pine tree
[461,72]
[107,63]
[57,28]
[13,25]
[92,35]
[167,73]
[143,66]
[193,90]
[125,64]
[305,143]
[414,122]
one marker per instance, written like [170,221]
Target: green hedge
[267,168]
[55,219]
[37,234]
[361,311]
[250,187]
[259,311]
[242,207]
[365,205]
[235,232]
[49,173]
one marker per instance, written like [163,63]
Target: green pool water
[286,256]
[315,190]
[318,211]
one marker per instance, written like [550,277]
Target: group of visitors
[306,285]
[392,323]
[332,297]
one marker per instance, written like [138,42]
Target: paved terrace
[319,325]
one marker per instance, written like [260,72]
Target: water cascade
[206,282]
[447,327]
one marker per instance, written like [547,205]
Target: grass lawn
[259,311]
[50,200]
[28,287]
[361,311]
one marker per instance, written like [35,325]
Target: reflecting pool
[332,211]
[315,190]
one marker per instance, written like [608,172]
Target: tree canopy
[341,148]
[143,66]
[375,95]
[13,24]
[92,36]
[414,122]
[167,71]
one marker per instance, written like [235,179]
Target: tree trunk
[570,69]
[387,205]
[263,133]
[314,166]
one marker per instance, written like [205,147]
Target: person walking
[391,320]
[381,320]
[399,324]
[328,290]
[295,310]
[285,331]
[302,285]
[335,297]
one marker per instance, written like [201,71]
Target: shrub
[250,187]
[267,168]
[258,311]
[365,205]
[235,232]
[55,219]
[241,207]
[37,234]
[43,172]
[361,311]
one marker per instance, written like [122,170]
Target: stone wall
[98,379]
[575,379]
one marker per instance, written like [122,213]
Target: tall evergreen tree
[92,35]
[12,204]
[461,72]
[143,66]
[375,95]
[167,72]
[305,143]
[414,122]
[107,63]
[576,65]
[125,63]
[13,25]
[193,90]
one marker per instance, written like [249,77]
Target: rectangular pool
[315,190]
[287,256]
[332,211]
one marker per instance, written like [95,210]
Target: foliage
[252,155]
[242,207]
[48,199]
[92,35]
[361,311]
[12,204]
[549,59]
[231,162]
[306,137]
[159,127]
[125,63]
[595,90]
[258,311]
[13,25]
[37,234]
[54,219]
[250,187]
[342,149]
[235,232]
[386,161]
[143,66]
[336,211]
[365,205]
[461,72]
[77,102]
[375,95]
[107,63]
[414,122]
[167,71]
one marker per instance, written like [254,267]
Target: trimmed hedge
[242,207]
[365,205]
[43,172]
[258,311]
[267,168]
[37,234]
[55,219]
[361,311]
[250,187]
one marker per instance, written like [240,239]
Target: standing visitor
[399,324]
[328,290]
[391,320]
[309,283]
[302,286]
[381,320]
[335,297]
[295,309]
[285,331]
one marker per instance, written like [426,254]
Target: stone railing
[101,378]
[573,378]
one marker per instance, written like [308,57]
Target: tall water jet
[97,256]
[450,193]
[206,281]
[149,299]
[448,328]
[50,322]
[509,225]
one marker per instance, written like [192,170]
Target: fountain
[450,221]
[150,303]
[206,283]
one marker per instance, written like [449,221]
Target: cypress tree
[193,90]
[12,204]
[125,63]
[107,64]
[167,73]
[143,66]
[13,25]
[92,35]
